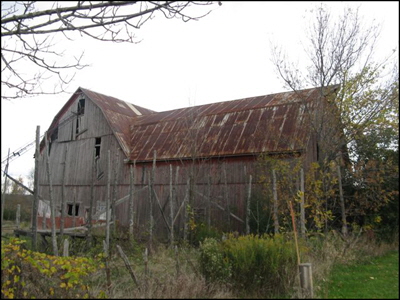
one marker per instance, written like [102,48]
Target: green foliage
[213,263]
[29,274]
[251,262]
[201,231]
[10,215]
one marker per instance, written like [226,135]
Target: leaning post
[36,191]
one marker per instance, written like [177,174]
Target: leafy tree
[356,122]
[17,189]
[30,32]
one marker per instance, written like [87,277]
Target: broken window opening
[50,143]
[78,121]
[54,134]
[97,146]
[81,107]
[72,211]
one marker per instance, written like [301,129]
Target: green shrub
[201,232]
[213,262]
[11,213]
[28,274]
[266,263]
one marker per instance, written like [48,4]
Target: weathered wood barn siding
[215,147]
[81,156]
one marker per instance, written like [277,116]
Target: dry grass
[169,275]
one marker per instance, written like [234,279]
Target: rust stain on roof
[271,123]
[119,114]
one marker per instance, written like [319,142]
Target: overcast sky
[223,56]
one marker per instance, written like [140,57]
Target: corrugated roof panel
[257,124]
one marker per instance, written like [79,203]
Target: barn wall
[80,158]
[229,191]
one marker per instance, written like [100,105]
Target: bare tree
[341,52]
[356,96]
[29,32]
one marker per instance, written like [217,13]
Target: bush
[250,262]
[27,274]
[201,232]
[213,261]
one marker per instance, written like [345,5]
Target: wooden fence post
[52,210]
[248,206]
[114,197]
[62,218]
[209,202]
[128,266]
[108,202]
[18,216]
[66,247]
[3,196]
[171,206]
[226,198]
[146,272]
[342,207]
[185,213]
[91,204]
[44,219]
[151,223]
[107,259]
[275,211]
[36,191]
[302,210]
[131,198]
[306,281]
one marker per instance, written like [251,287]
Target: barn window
[78,122]
[50,143]
[81,107]
[97,146]
[72,211]
[54,134]
[79,114]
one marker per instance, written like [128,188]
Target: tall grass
[237,267]
[259,265]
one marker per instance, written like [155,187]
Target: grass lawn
[375,279]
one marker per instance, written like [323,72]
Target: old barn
[194,160]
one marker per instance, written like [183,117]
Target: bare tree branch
[29,29]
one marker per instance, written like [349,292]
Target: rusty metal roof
[119,114]
[271,123]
